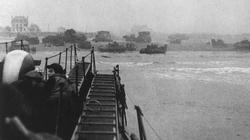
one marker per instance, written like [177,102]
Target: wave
[182,76]
[223,70]
[144,63]
[127,64]
[233,75]
[208,63]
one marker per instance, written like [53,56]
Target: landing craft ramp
[99,117]
[98,93]
[103,101]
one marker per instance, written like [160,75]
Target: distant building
[144,37]
[90,36]
[19,24]
[34,28]
[175,41]
[140,28]
[103,36]
[177,38]
[218,43]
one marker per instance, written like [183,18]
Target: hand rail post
[21,44]
[71,50]
[124,106]
[6,47]
[140,123]
[76,80]
[45,69]
[118,70]
[94,66]
[66,60]
[60,55]
[75,53]
[83,67]
[91,61]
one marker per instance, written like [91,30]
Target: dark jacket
[61,105]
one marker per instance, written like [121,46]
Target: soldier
[14,66]
[19,87]
[61,102]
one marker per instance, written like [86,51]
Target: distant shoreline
[170,48]
[185,46]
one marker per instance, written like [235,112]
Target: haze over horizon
[166,16]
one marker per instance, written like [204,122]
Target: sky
[166,16]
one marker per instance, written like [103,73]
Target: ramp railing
[15,45]
[59,55]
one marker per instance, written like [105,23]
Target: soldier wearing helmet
[14,66]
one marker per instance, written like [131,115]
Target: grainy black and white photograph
[124,70]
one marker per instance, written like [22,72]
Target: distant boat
[154,49]
[242,45]
[116,47]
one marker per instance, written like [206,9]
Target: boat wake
[233,75]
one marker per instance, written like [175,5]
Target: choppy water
[231,67]
[185,95]
[188,95]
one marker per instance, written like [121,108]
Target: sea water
[187,95]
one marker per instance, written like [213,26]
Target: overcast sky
[169,16]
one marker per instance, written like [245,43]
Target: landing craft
[154,49]
[101,113]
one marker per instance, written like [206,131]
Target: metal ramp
[76,74]
[99,119]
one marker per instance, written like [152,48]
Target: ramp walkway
[99,117]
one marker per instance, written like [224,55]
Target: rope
[10,42]
[130,100]
[87,55]
[3,43]
[53,56]
[157,135]
[59,53]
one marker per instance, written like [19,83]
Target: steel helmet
[14,66]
